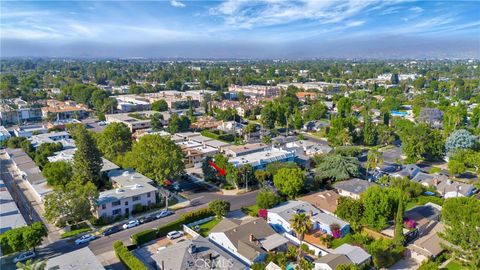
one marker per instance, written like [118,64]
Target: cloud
[249,14]
[416,9]
[355,23]
[177,4]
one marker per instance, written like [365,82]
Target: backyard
[205,228]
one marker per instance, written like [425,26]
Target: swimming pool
[398,113]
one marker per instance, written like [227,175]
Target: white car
[84,239]
[131,224]
[164,213]
[24,256]
[174,235]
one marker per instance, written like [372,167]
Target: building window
[136,198]
[126,203]
[148,195]
[116,203]
[104,206]
[116,212]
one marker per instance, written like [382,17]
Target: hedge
[218,135]
[127,257]
[152,234]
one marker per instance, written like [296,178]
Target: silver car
[24,256]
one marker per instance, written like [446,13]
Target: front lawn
[205,228]
[454,265]
[76,230]
[423,199]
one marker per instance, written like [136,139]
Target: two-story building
[129,189]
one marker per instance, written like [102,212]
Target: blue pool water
[290,266]
[398,113]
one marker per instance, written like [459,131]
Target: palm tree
[32,265]
[374,159]
[300,224]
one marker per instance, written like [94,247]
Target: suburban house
[357,255]
[446,187]
[79,259]
[352,188]
[310,148]
[410,171]
[249,240]
[196,253]
[428,246]
[279,217]
[195,152]
[129,189]
[327,200]
[331,261]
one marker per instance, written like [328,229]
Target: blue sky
[231,29]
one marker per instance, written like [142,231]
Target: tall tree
[351,210]
[156,157]
[460,139]
[374,159]
[87,161]
[301,224]
[379,205]
[399,237]
[461,217]
[338,167]
[289,181]
[72,203]
[57,173]
[114,141]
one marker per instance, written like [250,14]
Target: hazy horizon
[367,29]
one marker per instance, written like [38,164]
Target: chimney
[251,238]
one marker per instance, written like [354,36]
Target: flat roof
[9,212]
[262,157]
[132,184]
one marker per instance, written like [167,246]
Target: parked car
[164,213]
[111,230]
[131,224]
[27,255]
[84,239]
[174,235]
[147,219]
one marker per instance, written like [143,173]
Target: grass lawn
[80,228]
[423,199]
[454,265]
[340,241]
[251,210]
[205,228]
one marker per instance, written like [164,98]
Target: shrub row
[152,234]
[218,135]
[127,257]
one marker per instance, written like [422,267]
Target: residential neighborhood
[226,147]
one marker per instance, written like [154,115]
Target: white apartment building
[130,188]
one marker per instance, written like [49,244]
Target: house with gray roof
[195,254]
[331,261]
[352,188]
[248,240]
[80,259]
[445,186]
[357,255]
[410,171]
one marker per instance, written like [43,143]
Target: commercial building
[64,110]
[17,111]
[134,121]
[129,189]
[242,150]
[259,160]
[255,90]
[62,137]
[27,131]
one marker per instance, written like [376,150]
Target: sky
[266,29]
